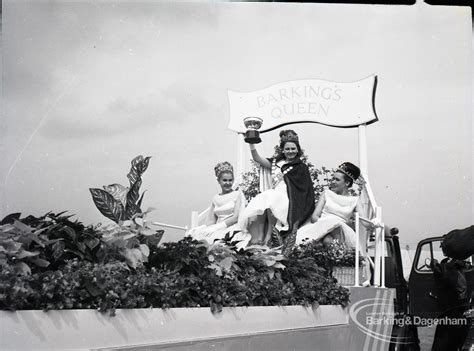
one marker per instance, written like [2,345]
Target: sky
[87,86]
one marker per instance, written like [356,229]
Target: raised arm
[257,158]
[319,208]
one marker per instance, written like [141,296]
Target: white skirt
[275,200]
[325,224]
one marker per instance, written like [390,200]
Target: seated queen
[286,199]
[333,211]
[224,211]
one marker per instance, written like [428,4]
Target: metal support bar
[379,270]
[169,226]
[356,264]
[377,248]
[371,262]
[363,164]
[240,167]
[382,246]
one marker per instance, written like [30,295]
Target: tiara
[288,135]
[223,167]
[345,168]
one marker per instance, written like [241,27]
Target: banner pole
[240,158]
[357,230]
[363,163]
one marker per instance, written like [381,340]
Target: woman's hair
[350,171]
[287,136]
[223,167]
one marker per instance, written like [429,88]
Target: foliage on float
[37,244]
[54,262]
[46,242]
[186,273]
[335,254]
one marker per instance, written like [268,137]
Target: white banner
[308,100]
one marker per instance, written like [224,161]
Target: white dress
[274,199]
[224,207]
[337,211]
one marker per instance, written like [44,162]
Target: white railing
[361,222]
[356,263]
[374,214]
[169,226]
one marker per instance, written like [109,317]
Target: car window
[429,251]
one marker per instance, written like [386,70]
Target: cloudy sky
[89,85]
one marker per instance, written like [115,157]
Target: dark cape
[301,201]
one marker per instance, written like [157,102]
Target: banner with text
[309,100]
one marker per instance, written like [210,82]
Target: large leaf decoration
[133,174]
[118,202]
[107,205]
[10,218]
[139,166]
[131,209]
[132,196]
[139,204]
[118,191]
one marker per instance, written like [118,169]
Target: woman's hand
[314,218]
[257,158]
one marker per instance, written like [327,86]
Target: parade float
[117,286]
[66,285]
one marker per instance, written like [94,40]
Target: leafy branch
[120,203]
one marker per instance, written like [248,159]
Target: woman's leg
[261,228]
[328,239]
[257,229]
[270,224]
[335,234]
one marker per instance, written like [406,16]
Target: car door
[423,292]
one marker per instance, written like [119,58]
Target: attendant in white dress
[286,199]
[224,211]
[334,210]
